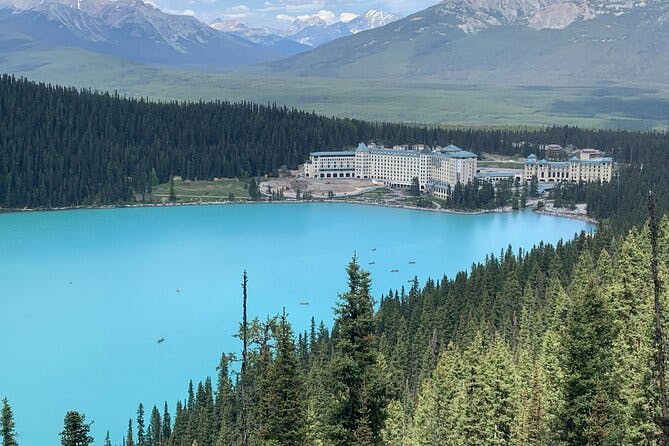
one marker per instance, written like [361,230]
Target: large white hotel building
[588,167]
[438,170]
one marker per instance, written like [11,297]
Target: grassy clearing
[501,164]
[196,191]
[376,194]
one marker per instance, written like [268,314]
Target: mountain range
[539,42]
[130,29]
[306,33]
[515,42]
[140,32]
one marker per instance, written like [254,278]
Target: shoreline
[550,212]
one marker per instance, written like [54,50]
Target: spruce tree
[588,357]
[226,423]
[360,389]
[75,430]
[166,429]
[7,425]
[141,427]
[440,411]
[285,421]
[396,428]
[129,438]
[155,435]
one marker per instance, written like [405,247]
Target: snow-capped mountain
[134,30]
[371,19]
[266,37]
[314,31]
[543,42]
[306,32]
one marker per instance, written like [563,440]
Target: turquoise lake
[85,294]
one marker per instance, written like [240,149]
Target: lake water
[85,294]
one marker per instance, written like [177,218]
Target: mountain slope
[133,30]
[544,42]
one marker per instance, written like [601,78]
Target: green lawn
[501,164]
[375,194]
[197,191]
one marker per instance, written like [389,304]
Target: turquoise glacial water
[85,294]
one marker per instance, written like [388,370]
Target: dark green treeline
[553,346]
[64,147]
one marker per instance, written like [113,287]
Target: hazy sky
[277,13]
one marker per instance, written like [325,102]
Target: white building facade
[585,168]
[437,170]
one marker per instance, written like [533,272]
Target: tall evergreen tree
[141,426]
[166,428]
[285,423]
[154,436]
[7,425]
[360,390]
[225,405]
[129,438]
[589,361]
[75,430]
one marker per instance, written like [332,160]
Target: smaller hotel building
[437,170]
[588,167]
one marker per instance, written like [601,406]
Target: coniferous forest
[559,345]
[63,147]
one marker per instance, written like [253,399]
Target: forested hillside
[63,147]
[555,346]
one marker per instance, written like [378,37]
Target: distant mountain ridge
[541,42]
[134,30]
[308,32]
[262,36]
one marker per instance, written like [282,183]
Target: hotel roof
[342,153]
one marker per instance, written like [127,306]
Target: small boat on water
[394,271]
[373,249]
[160,341]
[372,263]
[304,302]
[412,262]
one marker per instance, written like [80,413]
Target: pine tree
[360,396]
[155,435]
[129,439]
[166,428]
[285,421]
[225,404]
[141,432]
[396,429]
[588,356]
[7,425]
[440,412]
[75,430]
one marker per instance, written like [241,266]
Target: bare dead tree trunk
[245,341]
